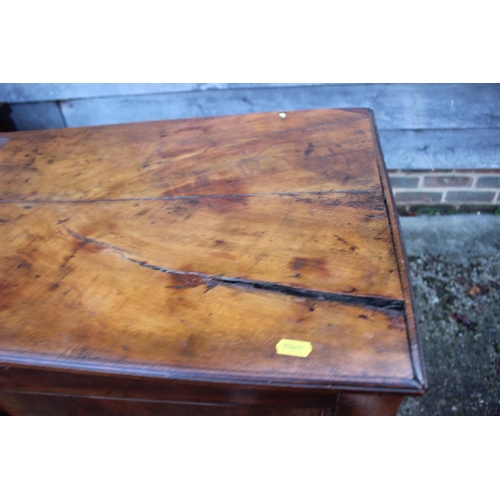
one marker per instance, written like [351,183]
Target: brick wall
[446,187]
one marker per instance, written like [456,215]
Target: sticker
[298,348]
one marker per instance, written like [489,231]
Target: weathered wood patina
[152,268]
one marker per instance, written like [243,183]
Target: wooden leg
[379,404]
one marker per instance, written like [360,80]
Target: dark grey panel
[396,106]
[456,236]
[441,149]
[34,92]
[37,116]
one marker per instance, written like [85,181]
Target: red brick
[418,171]
[470,196]
[488,181]
[447,181]
[418,197]
[477,171]
[402,181]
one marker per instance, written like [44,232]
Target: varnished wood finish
[408,115]
[375,405]
[236,155]
[55,405]
[181,252]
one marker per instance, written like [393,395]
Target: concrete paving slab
[455,271]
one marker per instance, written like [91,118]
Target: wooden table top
[188,249]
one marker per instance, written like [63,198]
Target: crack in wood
[387,305]
[84,239]
[194,197]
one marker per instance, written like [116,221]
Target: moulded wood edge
[137,371]
[414,340]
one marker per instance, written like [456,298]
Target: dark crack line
[197,196]
[387,305]
[85,240]
[212,281]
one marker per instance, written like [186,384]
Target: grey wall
[422,126]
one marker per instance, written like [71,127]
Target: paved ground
[455,270]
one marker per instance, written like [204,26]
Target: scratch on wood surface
[191,279]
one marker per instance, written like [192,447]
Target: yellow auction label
[289,347]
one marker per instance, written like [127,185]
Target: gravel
[455,270]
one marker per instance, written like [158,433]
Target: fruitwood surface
[187,249]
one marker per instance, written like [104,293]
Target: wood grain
[142,314]
[254,154]
[421,126]
[189,259]
[411,323]
[374,405]
[230,237]
[54,405]
[49,377]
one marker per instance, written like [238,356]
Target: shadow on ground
[455,271]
